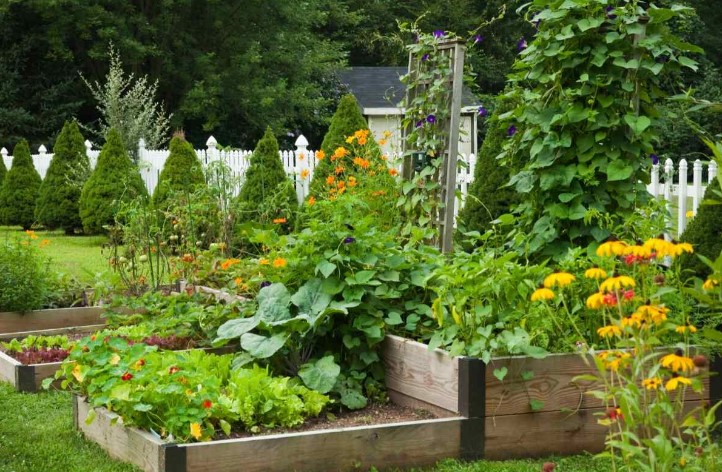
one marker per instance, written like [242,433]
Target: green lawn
[78,255]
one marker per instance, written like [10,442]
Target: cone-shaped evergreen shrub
[182,171]
[345,122]
[703,232]
[57,205]
[3,171]
[114,180]
[488,198]
[20,189]
[267,192]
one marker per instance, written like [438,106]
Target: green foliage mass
[24,278]
[114,180]
[703,232]
[3,172]
[181,172]
[57,205]
[488,198]
[345,122]
[267,192]
[20,189]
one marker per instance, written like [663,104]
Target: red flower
[127,376]
[207,404]
[610,299]
[173,370]
[141,362]
[614,414]
[629,294]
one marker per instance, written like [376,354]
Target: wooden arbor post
[448,122]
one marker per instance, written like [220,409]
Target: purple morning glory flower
[439,34]
[431,119]
[521,45]
[610,15]
[655,159]
[425,57]
[511,131]
[265,284]
[483,111]
[420,123]
[349,240]
[478,38]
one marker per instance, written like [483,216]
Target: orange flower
[330,179]
[382,142]
[263,261]
[187,258]
[338,170]
[341,184]
[301,156]
[363,163]
[393,172]
[279,221]
[320,155]
[279,262]
[31,234]
[44,242]
[228,263]
[304,174]
[352,181]
[238,281]
[339,153]
[384,157]
[311,200]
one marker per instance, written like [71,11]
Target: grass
[77,255]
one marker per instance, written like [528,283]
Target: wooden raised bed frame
[46,322]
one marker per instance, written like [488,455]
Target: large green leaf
[637,123]
[320,375]
[273,303]
[262,347]
[235,328]
[311,299]
[619,170]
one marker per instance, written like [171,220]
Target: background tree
[267,193]
[3,171]
[57,205]
[19,191]
[114,180]
[182,171]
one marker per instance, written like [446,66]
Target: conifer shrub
[114,180]
[267,193]
[182,171]
[703,232]
[488,197]
[20,189]
[345,122]
[57,205]
[3,171]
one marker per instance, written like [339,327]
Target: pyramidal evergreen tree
[703,232]
[57,205]
[488,197]
[3,171]
[20,189]
[345,122]
[267,193]
[181,171]
[114,180]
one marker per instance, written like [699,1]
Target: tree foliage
[20,189]
[703,232]
[57,205]
[267,193]
[182,171]
[114,180]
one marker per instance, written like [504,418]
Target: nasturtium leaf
[273,303]
[262,347]
[320,375]
[232,329]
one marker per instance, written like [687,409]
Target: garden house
[379,92]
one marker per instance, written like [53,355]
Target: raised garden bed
[505,425]
[48,322]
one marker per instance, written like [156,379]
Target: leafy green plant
[57,204]
[703,233]
[25,278]
[32,341]
[19,191]
[113,180]
[182,172]
[587,85]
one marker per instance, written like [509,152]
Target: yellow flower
[320,155]
[350,139]
[709,284]
[44,242]
[609,331]
[690,214]
[595,301]
[263,261]
[611,248]
[304,174]
[387,134]
[196,430]
[677,363]
[674,382]
[661,247]
[617,283]
[301,156]
[542,294]
[615,361]
[311,200]
[279,262]
[651,313]
[595,273]
[652,383]
[631,321]
[639,251]
[560,279]
[339,153]
[679,249]
[684,329]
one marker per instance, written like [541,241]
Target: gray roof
[380,87]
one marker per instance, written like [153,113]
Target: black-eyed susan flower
[652,313]
[609,331]
[611,248]
[639,250]
[595,301]
[558,279]
[542,294]
[674,382]
[677,363]
[709,284]
[686,329]
[652,383]
[681,248]
[595,273]
[659,246]
[617,282]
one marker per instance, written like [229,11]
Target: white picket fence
[300,163]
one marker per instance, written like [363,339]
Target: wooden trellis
[454,51]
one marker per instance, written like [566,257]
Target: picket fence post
[4,154]
[302,164]
[211,149]
[682,197]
